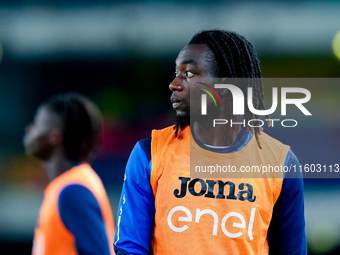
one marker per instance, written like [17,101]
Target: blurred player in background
[75,216]
[164,211]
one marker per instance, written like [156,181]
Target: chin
[180,113]
[183,112]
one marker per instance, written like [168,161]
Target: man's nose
[176,84]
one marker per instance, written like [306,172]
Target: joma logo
[206,188]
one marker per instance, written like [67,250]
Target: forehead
[196,54]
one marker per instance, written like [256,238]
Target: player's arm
[286,234]
[135,217]
[81,215]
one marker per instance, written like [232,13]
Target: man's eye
[175,73]
[189,74]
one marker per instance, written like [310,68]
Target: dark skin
[193,65]
[44,139]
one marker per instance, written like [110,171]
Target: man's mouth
[175,102]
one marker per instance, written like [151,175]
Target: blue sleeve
[136,210]
[286,233]
[81,214]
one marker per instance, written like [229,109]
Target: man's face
[193,64]
[40,136]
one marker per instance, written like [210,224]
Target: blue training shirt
[81,214]
[286,234]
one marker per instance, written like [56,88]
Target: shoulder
[76,200]
[138,165]
[167,130]
[82,174]
[273,144]
[146,145]
[75,196]
[269,139]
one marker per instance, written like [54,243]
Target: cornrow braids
[81,123]
[236,58]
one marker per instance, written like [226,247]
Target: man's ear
[223,92]
[222,81]
[55,137]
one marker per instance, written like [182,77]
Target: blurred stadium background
[122,54]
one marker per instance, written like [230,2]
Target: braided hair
[236,58]
[81,124]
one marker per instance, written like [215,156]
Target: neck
[58,164]
[220,135]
